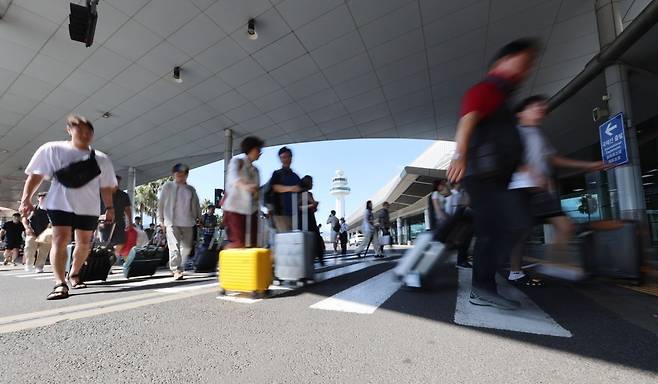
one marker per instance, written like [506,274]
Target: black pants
[501,218]
[343,243]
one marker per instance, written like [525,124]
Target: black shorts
[13,243]
[70,219]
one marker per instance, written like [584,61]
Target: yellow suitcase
[245,270]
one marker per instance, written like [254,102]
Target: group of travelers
[505,164]
[502,159]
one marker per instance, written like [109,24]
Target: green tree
[146,197]
[205,204]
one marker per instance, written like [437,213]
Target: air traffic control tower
[340,190]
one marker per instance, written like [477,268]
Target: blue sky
[368,164]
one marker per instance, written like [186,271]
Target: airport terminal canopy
[319,70]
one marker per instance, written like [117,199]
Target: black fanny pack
[78,174]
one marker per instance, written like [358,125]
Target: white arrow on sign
[610,128]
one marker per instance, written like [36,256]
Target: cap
[42,194]
[180,167]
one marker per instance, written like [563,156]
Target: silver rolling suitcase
[294,251]
[420,266]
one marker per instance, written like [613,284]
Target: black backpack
[38,221]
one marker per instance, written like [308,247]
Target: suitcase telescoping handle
[247,232]
[295,212]
[109,238]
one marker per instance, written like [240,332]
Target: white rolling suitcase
[294,251]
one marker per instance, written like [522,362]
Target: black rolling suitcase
[206,258]
[614,248]
[143,261]
[98,263]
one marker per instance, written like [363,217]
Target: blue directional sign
[613,141]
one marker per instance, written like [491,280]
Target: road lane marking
[155,298]
[363,298]
[243,298]
[35,275]
[186,288]
[528,319]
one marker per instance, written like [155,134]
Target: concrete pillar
[625,179]
[228,151]
[428,220]
[130,186]
[399,231]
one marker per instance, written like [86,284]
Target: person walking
[343,236]
[334,225]
[38,236]
[178,211]
[488,151]
[384,219]
[309,210]
[241,197]
[535,190]
[209,225]
[77,173]
[123,220]
[283,183]
[12,232]
[370,235]
[437,201]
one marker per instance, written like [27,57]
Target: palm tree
[146,197]
[205,204]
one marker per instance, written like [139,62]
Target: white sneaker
[29,268]
[38,270]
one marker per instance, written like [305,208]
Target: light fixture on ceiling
[106,115]
[251,30]
[646,184]
[578,190]
[177,77]
[645,176]
[653,170]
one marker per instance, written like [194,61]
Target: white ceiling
[320,70]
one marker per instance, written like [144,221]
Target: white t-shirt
[85,200]
[442,199]
[537,149]
[182,217]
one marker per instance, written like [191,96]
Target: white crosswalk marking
[363,298]
[528,319]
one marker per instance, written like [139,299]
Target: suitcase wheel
[276,282]
[258,295]
[222,292]
[301,283]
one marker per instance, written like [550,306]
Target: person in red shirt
[488,151]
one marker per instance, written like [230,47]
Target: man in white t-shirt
[72,211]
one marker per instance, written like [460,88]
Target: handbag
[80,173]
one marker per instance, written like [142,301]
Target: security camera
[251,30]
[599,114]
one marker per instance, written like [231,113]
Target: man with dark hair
[532,184]
[488,151]
[123,218]
[284,182]
[38,237]
[12,232]
[209,224]
[178,212]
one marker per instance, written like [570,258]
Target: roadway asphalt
[159,331]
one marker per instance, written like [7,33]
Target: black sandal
[60,291]
[76,283]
